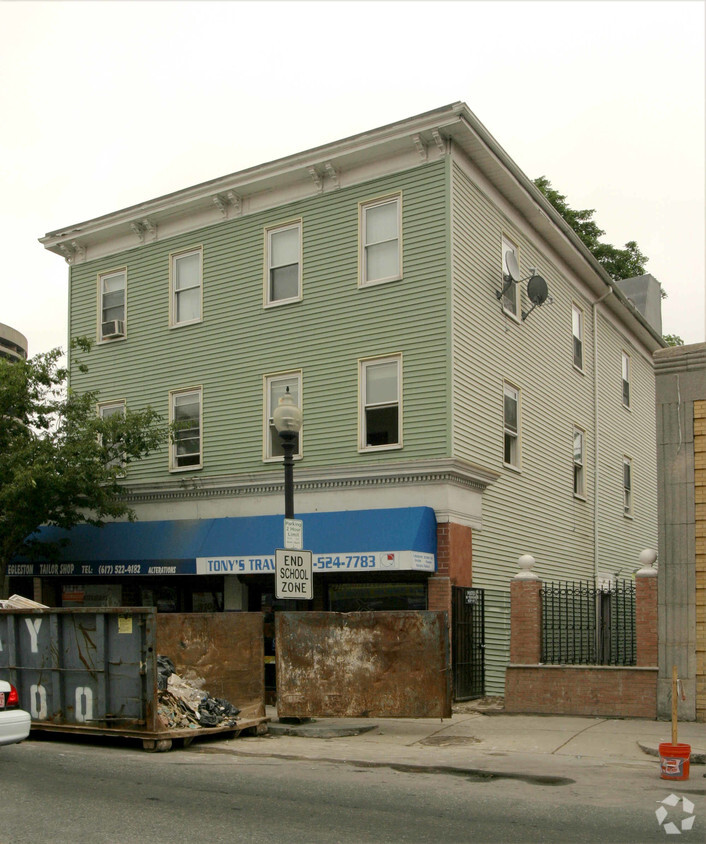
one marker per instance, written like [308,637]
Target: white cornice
[388,149]
[456,473]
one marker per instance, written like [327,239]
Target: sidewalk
[529,747]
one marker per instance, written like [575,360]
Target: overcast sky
[106,104]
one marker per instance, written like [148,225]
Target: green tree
[60,462]
[618,263]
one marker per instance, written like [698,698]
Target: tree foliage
[618,263]
[60,462]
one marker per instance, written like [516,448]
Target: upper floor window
[112,304]
[510,296]
[380,241]
[116,456]
[579,476]
[186,287]
[577,328]
[275,387]
[185,415]
[511,426]
[627,486]
[626,379]
[284,276]
[380,403]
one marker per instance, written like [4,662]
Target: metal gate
[468,642]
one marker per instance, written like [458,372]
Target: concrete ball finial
[648,559]
[525,563]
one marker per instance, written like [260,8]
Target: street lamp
[287,419]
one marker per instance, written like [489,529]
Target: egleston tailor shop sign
[370,561]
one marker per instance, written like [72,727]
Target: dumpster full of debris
[135,673]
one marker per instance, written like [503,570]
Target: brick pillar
[439,594]
[453,564]
[646,610]
[525,615]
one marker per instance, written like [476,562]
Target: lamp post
[287,419]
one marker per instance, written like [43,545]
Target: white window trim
[363,363]
[516,467]
[628,494]
[172,445]
[625,359]
[509,245]
[104,405]
[580,494]
[294,374]
[362,208]
[99,315]
[269,231]
[173,257]
[575,309]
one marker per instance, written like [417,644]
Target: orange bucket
[674,761]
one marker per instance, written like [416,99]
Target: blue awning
[355,540]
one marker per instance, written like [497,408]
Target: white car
[14,722]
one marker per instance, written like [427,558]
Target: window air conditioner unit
[113,328]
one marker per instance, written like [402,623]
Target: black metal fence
[585,624]
[468,643]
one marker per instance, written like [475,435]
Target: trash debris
[17,602]
[183,705]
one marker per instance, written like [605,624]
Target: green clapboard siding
[534,511]
[324,335]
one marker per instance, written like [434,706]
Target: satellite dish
[513,269]
[537,290]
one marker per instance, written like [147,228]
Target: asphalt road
[57,790]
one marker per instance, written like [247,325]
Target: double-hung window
[511,426]
[112,305]
[577,329]
[275,387]
[186,287]
[627,486]
[283,282]
[115,455]
[626,379]
[579,475]
[510,296]
[380,393]
[186,417]
[380,241]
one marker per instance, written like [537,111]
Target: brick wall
[606,691]
[700,555]
[603,690]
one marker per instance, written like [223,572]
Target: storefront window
[366,597]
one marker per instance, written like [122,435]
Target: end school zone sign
[294,575]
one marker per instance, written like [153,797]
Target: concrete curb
[698,757]
[321,731]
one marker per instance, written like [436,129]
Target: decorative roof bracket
[421,147]
[333,174]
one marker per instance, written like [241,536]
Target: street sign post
[294,574]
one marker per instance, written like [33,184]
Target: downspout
[596,430]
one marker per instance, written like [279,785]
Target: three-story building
[473,385]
